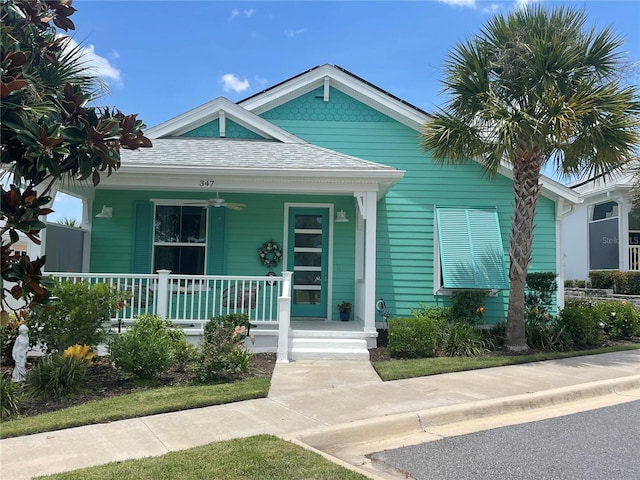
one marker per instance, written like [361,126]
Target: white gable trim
[342,81]
[211,111]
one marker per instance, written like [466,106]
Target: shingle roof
[220,153]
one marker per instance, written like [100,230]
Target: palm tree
[69,222]
[535,88]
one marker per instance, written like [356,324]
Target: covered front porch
[180,226]
[189,301]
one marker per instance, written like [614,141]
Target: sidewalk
[331,405]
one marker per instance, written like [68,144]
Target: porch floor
[328,325]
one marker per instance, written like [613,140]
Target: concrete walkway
[333,406]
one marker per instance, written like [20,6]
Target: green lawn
[421,367]
[257,457]
[260,457]
[139,404]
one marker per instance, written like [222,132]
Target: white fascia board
[258,181]
[209,111]
[607,192]
[367,94]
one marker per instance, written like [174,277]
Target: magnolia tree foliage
[49,131]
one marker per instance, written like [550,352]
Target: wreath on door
[270,254]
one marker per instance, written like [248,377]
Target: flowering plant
[344,307]
[270,254]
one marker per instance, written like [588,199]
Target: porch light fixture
[341,217]
[107,212]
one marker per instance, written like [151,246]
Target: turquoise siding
[212,129]
[406,216]
[405,258]
[236,241]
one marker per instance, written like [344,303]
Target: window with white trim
[469,252]
[603,236]
[180,239]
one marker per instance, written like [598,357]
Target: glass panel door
[307,259]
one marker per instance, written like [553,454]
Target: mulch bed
[103,381]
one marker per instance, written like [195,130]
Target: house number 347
[206,183]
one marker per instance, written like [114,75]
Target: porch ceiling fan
[217,202]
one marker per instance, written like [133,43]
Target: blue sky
[162,58]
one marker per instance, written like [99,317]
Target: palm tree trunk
[526,188]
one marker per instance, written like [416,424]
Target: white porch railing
[190,301]
[634,259]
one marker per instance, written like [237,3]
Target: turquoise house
[310,193]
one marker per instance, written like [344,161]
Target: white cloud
[460,3]
[492,8]
[293,33]
[98,66]
[261,83]
[236,13]
[232,82]
[520,4]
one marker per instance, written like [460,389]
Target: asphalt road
[598,444]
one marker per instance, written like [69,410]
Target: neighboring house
[329,167]
[603,232]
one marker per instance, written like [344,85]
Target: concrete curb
[355,436]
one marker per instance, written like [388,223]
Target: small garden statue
[19,354]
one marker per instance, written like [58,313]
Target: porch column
[368,309]
[284,318]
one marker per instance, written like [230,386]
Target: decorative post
[162,299]
[284,319]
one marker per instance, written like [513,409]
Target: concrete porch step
[328,348]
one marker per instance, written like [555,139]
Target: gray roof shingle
[220,153]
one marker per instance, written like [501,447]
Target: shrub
[539,296]
[183,352]
[621,319]
[626,283]
[223,355]
[580,321]
[468,305]
[460,339]
[77,315]
[10,398]
[494,337]
[415,337]
[146,349]
[601,279]
[546,334]
[57,376]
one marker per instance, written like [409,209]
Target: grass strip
[422,367]
[258,457]
[138,404]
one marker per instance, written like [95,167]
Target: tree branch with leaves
[49,130]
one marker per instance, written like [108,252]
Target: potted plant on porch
[345,309]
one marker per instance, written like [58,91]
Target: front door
[307,258]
